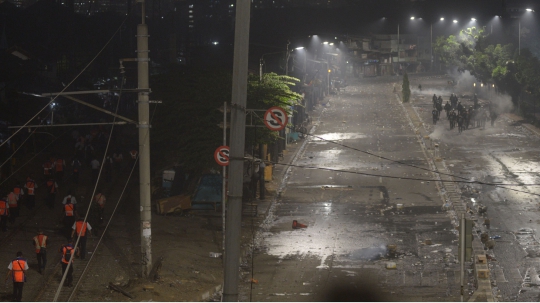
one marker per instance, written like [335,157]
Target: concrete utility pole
[144,145]
[462,254]
[231,260]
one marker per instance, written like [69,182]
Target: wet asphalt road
[352,217]
[507,153]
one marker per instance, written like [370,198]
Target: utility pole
[462,254]
[144,144]
[231,259]
[287,61]
[431,49]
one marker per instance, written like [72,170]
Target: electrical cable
[95,187]
[501,185]
[57,294]
[71,82]
[26,163]
[115,208]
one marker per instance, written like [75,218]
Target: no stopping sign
[221,155]
[275,118]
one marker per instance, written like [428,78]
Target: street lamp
[455,21]
[530,10]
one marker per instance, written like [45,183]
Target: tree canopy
[511,72]
[185,126]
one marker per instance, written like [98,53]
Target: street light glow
[455,21]
[332,43]
[325,42]
[529,10]
[412,18]
[300,47]
[473,19]
[442,18]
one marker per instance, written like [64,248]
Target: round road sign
[275,118]
[221,155]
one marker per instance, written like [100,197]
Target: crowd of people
[56,171]
[462,116]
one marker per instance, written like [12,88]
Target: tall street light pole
[144,144]
[233,219]
[431,48]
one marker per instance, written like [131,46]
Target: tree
[273,90]
[185,126]
[406,88]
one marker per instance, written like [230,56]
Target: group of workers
[75,228]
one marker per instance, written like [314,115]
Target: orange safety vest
[12,200]
[30,185]
[39,242]
[52,185]
[17,270]
[59,164]
[47,168]
[69,208]
[64,250]
[81,228]
[4,208]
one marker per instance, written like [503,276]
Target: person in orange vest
[17,270]
[4,213]
[13,201]
[40,243]
[81,228]
[100,200]
[59,165]
[52,189]
[47,169]
[30,186]
[67,252]
[69,213]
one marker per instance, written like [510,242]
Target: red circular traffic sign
[275,118]
[221,155]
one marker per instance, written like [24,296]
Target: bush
[406,88]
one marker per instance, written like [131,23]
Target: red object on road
[296,225]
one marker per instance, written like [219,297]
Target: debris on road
[296,225]
[391,265]
[114,287]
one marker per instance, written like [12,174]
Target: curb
[484,285]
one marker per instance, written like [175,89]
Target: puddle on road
[338,136]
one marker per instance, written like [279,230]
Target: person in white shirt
[70,198]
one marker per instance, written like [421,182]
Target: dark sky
[364,17]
